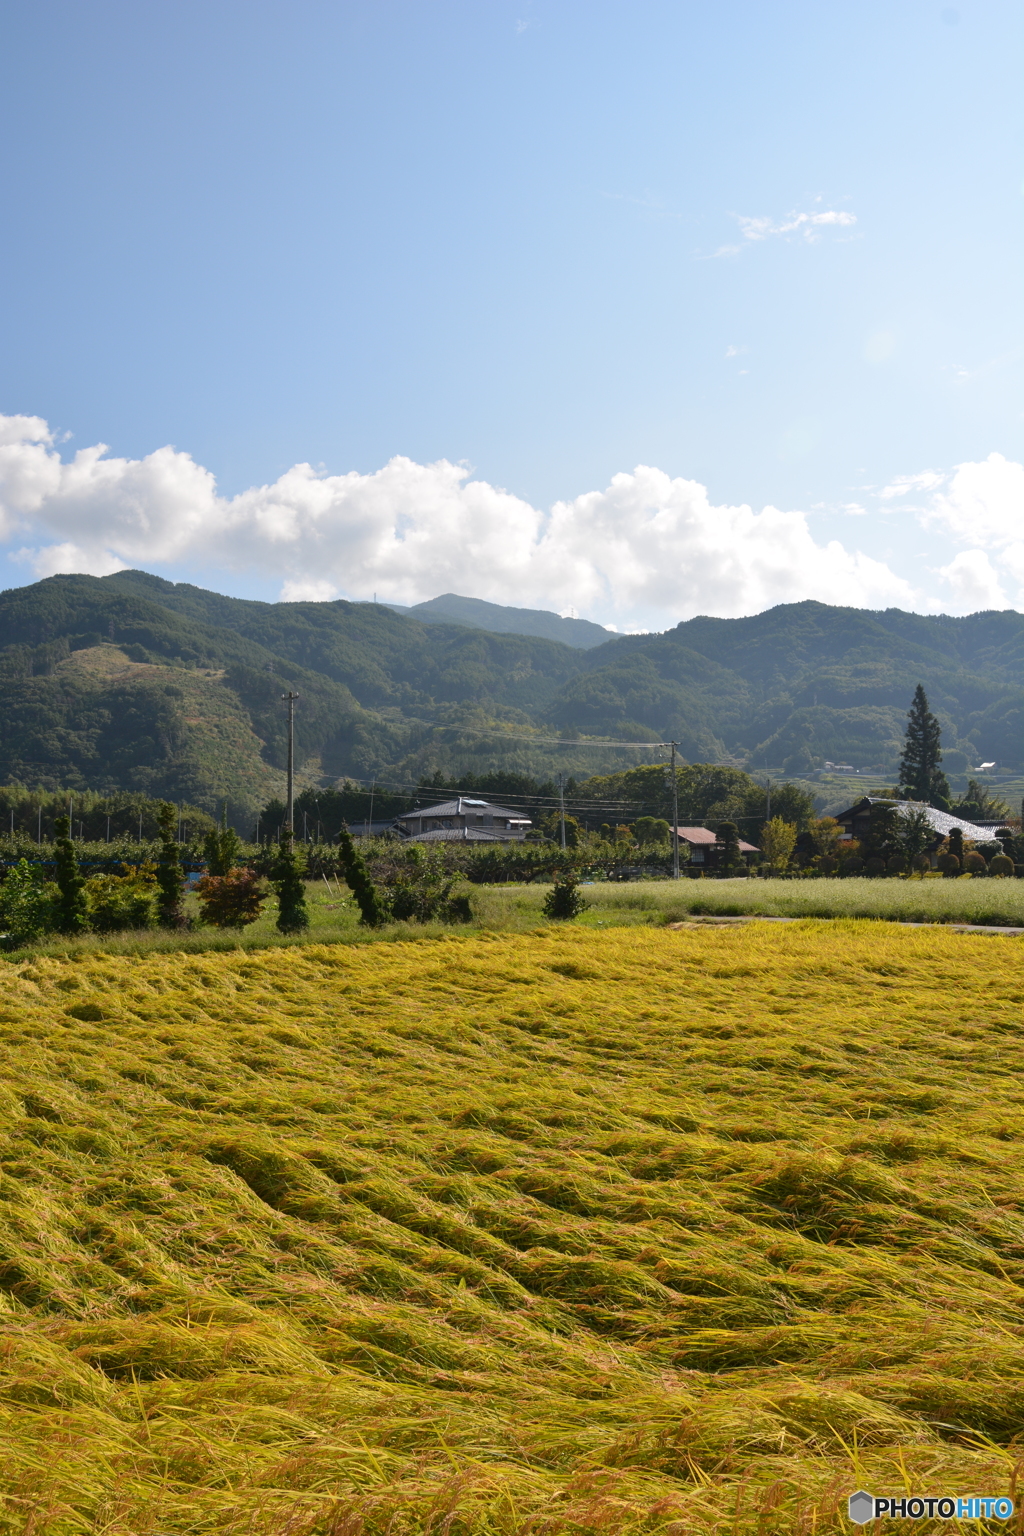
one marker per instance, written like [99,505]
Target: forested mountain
[813,681]
[132,682]
[452,609]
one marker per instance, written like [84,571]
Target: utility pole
[291,697]
[561,804]
[675,813]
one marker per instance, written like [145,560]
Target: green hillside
[132,682]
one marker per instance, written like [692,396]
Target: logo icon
[862,1507]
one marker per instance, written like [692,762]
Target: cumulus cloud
[973,582]
[982,502]
[646,551]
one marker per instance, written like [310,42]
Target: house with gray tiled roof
[463,820]
[856,821]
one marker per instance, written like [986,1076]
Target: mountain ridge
[384,693]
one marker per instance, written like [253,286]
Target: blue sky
[773,249]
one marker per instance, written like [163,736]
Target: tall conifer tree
[170,877]
[920,774]
[292,912]
[71,912]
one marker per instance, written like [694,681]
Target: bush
[565,899]
[1001,865]
[416,885]
[949,864]
[120,902]
[233,900]
[975,863]
[26,906]
[874,867]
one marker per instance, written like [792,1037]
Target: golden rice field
[567,1231]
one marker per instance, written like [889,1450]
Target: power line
[555,741]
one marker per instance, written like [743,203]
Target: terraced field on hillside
[567,1231]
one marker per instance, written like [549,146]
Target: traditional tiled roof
[701,837]
[465,805]
[940,821]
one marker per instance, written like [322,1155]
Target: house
[463,820]
[703,848]
[856,821]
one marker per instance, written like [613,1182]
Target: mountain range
[133,682]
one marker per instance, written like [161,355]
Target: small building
[372,828]
[702,847]
[463,820]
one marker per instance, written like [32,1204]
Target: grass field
[557,1232]
[517,909]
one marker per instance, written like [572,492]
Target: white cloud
[649,549]
[982,503]
[974,584]
[308,591]
[927,480]
[644,552]
[808,225]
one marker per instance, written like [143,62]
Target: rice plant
[561,1231]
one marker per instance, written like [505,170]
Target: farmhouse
[856,821]
[463,821]
[704,848]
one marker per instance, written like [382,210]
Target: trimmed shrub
[949,864]
[1001,865]
[170,877]
[975,863]
[565,900]
[372,910]
[292,912]
[71,913]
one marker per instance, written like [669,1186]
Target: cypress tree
[292,912]
[920,774]
[729,838]
[170,877]
[71,913]
[372,910]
